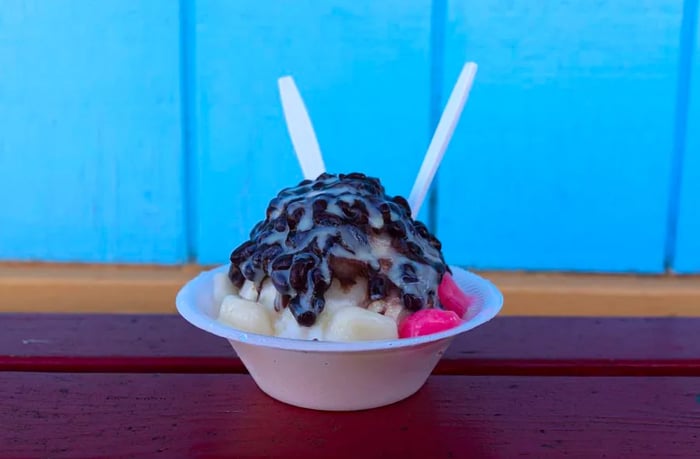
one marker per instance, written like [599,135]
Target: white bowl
[337,376]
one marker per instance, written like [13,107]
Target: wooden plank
[686,242]
[91,288]
[90,157]
[363,71]
[71,415]
[152,289]
[562,158]
[507,345]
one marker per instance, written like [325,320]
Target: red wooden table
[116,385]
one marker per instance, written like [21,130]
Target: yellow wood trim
[152,289]
[598,295]
[91,288]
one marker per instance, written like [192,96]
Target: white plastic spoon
[441,137]
[300,129]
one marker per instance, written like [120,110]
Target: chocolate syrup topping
[340,227]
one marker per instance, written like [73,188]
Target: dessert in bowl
[339,299]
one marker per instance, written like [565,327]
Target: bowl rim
[186,307]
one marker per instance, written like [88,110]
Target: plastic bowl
[336,376]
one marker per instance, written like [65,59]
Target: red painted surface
[98,335]
[508,345]
[98,395]
[472,367]
[88,415]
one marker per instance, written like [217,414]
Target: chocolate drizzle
[340,227]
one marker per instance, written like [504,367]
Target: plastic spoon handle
[300,129]
[441,138]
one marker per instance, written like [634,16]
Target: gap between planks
[69,288]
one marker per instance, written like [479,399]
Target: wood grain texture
[507,345]
[562,158]
[90,156]
[152,289]
[686,256]
[363,71]
[71,415]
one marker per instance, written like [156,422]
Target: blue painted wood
[686,256]
[361,66]
[562,159]
[90,138]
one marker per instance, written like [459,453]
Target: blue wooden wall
[363,70]
[91,156]
[151,132]
[686,232]
[562,160]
